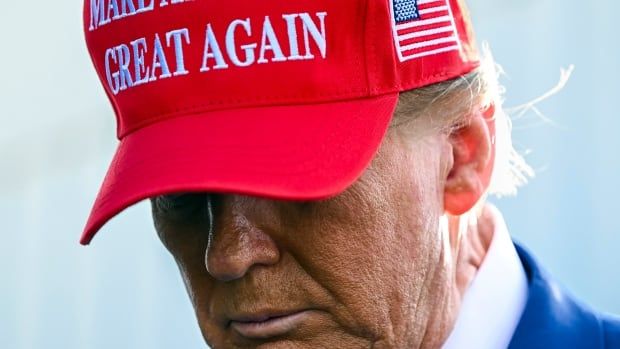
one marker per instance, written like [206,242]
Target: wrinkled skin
[375,266]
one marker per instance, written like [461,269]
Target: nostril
[227,268]
[227,264]
[236,243]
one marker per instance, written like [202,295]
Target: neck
[471,238]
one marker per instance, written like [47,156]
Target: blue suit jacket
[553,319]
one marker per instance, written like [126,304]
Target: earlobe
[473,157]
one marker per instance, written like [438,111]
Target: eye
[307,208]
[305,205]
[185,207]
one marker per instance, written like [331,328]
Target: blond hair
[447,106]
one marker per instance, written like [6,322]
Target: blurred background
[57,137]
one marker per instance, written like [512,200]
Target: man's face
[368,268]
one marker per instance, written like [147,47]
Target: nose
[236,242]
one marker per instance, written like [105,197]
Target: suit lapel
[553,319]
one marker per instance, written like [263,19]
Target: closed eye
[184,207]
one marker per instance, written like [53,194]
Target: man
[318,170]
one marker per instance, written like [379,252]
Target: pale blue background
[57,136]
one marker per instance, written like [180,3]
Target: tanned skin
[381,265]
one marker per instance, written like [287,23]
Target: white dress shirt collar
[493,304]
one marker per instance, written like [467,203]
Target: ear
[473,155]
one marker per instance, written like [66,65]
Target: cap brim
[308,152]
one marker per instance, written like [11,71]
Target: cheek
[375,262]
[197,283]
[189,255]
[200,288]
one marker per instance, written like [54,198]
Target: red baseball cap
[280,99]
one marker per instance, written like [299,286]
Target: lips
[267,325]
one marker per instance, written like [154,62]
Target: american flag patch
[423,28]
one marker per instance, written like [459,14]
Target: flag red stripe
[424,27]
[431,5]
[426,38]
[434,15]
[428,16]
[428,48]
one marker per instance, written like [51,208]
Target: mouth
[268,325]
